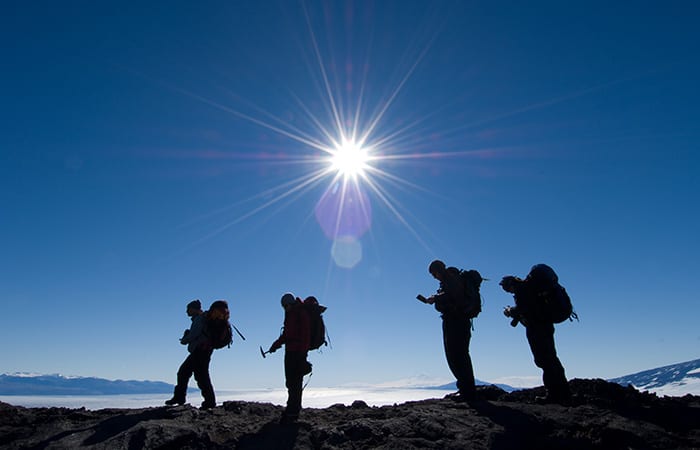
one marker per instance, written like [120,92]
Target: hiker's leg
[183,378]
[456,333]
[294,375]
[201,375]
[541,340]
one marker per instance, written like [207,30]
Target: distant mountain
[30,384]
[675,380]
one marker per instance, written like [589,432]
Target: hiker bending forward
[296,338]
[197,362]
[456,327]
[530,310]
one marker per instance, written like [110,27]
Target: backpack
[471,279]
[317,326]
[217,327]
[558,305]
[556,301]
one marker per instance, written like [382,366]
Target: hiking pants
[456,334]
[540,336]
[197,364]
[294,369]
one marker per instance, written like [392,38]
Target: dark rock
[603,415]
[359,404]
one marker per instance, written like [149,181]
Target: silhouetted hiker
[295,336]
[197,362]
[532,296]
[456,327]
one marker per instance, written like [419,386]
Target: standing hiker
[295,337]
[197,362]
[537,299]
[453,301]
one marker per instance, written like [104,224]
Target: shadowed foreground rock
[603,415]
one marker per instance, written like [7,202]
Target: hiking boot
[175,401]
[461,396]
[208,405]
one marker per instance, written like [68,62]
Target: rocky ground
[603,415]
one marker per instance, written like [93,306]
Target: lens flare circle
[346,252]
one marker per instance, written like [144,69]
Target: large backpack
[316,324]
[471,280]
[217,327]
[557,303]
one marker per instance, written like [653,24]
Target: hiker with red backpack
[458,300]
[296,337]
[540,302]
[197,362]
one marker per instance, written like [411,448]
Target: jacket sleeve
[278,342]
[195,338]
[529,303]
[449,294]
[189,335]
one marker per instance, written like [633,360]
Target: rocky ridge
[603,415]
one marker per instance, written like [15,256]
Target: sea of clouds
[313,398]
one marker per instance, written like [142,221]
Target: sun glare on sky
[350,159]
[353,144]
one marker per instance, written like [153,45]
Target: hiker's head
[437,269]
[288,299]
[194,307]
[508,283]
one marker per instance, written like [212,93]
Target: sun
[350,159]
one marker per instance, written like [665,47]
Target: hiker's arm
[185,339]
[277,344]
[428,300]
[195,331]
[441,300]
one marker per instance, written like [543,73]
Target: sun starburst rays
[344,148]
[347,159]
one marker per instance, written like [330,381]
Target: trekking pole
[263,352]
[239,333]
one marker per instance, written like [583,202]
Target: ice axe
[263,352]
[239,333]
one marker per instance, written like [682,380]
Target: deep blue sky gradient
[138,139]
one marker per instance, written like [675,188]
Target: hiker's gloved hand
[512,312]
[273,348]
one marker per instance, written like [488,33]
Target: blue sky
[152,154]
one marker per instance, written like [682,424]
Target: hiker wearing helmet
[296,340]
[197,362]
[456,327]
[531,310]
